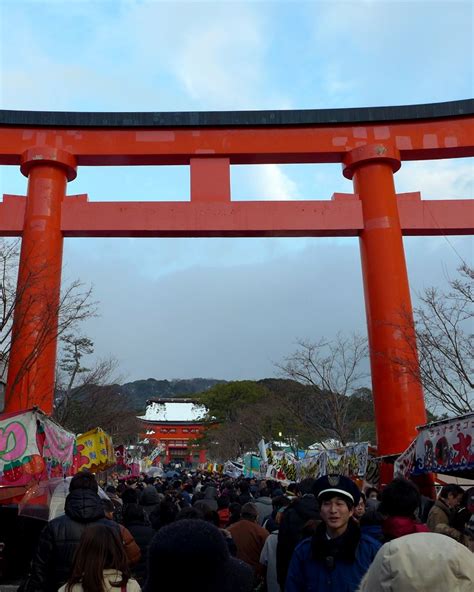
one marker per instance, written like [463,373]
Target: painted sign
[440,448]
[33,447]
[95,451]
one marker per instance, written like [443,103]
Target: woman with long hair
[100,563]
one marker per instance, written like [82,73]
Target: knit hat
[339,485]
[193,555]
[420,562]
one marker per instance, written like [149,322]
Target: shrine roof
[201,119]
[174,411]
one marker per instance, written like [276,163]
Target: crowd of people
[203,532]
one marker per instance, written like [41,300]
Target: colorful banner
[442,447]
[58,445]
[20,457]
[33,447]
[233,469]
[283,466]
[95,451]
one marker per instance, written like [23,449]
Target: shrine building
[175,425]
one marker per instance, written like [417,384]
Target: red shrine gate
[175,426]
[370,143]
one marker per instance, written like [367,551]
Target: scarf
[341,548]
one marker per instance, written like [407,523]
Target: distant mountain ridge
[139,391]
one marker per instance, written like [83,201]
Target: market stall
[444,447]
[33,447]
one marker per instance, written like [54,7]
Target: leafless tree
[89,397]
[75,305]
[334,370]
[445,342]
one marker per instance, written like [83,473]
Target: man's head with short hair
[249,512]
[281,501]
[108,508]
[84,480]
[452,495]
[400,498]
[306,486]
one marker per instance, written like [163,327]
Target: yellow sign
[96,445]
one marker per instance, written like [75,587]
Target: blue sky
[222,307]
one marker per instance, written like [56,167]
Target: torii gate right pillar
[398,395]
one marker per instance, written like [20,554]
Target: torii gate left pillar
[32,362]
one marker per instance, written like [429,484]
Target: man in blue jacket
[337,556]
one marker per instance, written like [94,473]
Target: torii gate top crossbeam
[210,142]
[439,130]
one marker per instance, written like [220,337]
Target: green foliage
[224,401]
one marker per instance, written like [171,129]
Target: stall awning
[445,447]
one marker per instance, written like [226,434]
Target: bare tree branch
[334,371]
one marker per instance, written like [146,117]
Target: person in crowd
[249,537]
[223,503]
[164,514]
[371,525]
[244,493]
[464,510]
[136,521]
[279,504]
[336,557]
[268,556]
[132,550]
[360,509]
[442,514]
[235,509]
[149,499]
[209,502]
[100,563]
[372,498]
[304,507]
[399,503]
[190,513]
[372,493]
[422,562]
[187,494]
[193,555]
[129,496]
[58,541]
[264,505]
[111,491]
[463,519]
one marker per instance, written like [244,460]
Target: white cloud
[263,182]
[143,56]
[272,183]
[438,179]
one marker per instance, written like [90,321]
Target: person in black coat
[193,555]
[51,565]
[135,520]
[292,523]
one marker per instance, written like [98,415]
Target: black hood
[306,507]
[149,496]
[84,505]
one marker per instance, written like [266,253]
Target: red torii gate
[369,142]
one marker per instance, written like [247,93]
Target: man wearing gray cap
[336,557]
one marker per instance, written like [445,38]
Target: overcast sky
[231,308]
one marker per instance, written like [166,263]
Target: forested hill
[139,391]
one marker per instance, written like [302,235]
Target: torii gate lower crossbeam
[370,144]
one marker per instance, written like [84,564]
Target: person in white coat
[421,562]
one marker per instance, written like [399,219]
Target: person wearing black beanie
[192,555]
